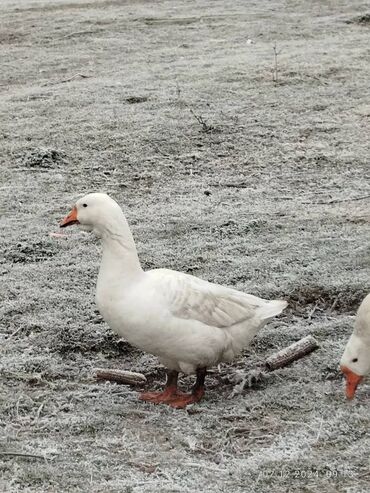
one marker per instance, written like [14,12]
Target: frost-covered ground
[223,173]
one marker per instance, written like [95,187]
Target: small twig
[161,151]
[78,33]
[205,127]
[83,76]
[14,333]
[230,185]
[333,305]
[39,412]
[16,454]
[291,353]
[319,432]
[62,81]
[313,310]
[17,408]
[275,72]
[338,201]
[120,376]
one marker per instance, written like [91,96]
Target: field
[233,165]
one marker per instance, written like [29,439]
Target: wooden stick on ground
[16,454]
[120,376]
[291,353]
[277,360]
[62,81]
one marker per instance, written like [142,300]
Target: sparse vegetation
[202,122]
[275,73]
[270,205]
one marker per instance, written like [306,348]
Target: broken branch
[275,71]
[120,376]
[62,81]
[16,454]
[79,33]
[291,353]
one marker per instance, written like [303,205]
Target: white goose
[355,362]
[190,324]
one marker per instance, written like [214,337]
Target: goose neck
[120,256]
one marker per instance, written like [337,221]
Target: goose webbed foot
[183,400]
[160,397]
[172,396]
[170,391]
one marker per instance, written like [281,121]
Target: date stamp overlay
[297,473]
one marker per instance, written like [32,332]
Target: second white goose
[355,361]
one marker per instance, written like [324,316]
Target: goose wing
[189,297]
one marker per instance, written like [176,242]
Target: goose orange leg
[170,391]
[180,401]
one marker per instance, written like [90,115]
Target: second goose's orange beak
[70,219]
[352,381]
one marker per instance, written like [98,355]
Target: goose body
[355,361]
[185,321]
[189,323]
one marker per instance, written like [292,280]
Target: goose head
[93,213]
[355,363]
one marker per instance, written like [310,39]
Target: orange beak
[70,219]
[352,381]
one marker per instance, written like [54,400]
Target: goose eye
[84,205]
[354,360]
